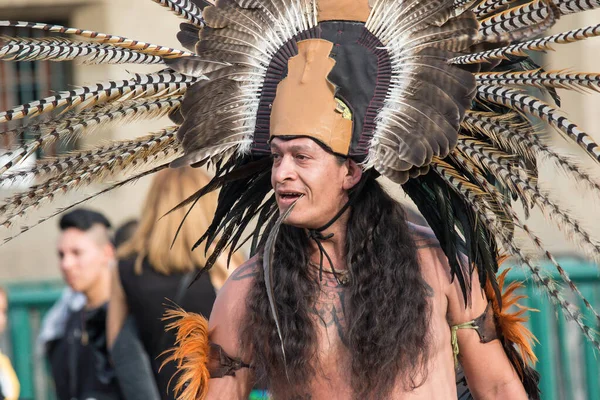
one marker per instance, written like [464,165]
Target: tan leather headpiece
[305,103]
[343,10]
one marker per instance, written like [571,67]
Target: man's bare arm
[224,326]
[489,372]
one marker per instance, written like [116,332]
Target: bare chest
[330,319]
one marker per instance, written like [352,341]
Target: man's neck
[335,247]
[99,294]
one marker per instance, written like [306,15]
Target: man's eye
[301,157]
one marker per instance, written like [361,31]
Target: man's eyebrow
[293,148]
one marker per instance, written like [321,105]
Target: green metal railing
[568,364]
[28,303]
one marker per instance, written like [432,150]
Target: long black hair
[387,310]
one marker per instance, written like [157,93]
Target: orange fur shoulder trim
[191,353]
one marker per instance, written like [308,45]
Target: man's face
[302,167]
[83,257]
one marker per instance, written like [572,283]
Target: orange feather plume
[191,353]
[511,323]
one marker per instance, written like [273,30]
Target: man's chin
[300,222]
[75,286]
[294,219]
[298,219]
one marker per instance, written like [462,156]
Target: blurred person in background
[79,358]
[125,231]
[153,273]
[130,359]
[9,384]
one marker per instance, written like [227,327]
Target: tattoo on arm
[246,271]
[426,243]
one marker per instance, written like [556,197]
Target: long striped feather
[516,220]
[74,160]
[575,6]
[562,79]
[518,23]
[516,18]
[62,49]
[572,228]
[487,7]
[520,101]
[526,139]
[119,41]
[503,135]
[121,112]
[20,204]
[89,197]
[167,83]
[540,44]
[571,312]
[184,9]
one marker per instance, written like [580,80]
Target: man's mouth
[286,198]
[289,195]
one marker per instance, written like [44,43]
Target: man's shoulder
[245,272]
[230,306]
[432,259]
[238,285]
[423,237]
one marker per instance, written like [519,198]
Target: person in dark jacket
[153,274]
[79,359]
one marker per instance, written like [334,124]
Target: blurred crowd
[105,338]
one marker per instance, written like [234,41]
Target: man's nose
[67,263]
[284,170]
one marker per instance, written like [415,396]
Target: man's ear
[353,174]
[110,253]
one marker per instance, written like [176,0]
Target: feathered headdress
[431,94]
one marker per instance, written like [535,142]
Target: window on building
[25,81]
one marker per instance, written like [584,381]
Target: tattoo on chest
[330,307]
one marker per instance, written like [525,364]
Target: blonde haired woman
[151,271]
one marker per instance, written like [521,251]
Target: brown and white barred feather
[160,84]
[418,121]
[117,41]
[540,44]
[62,49]
[71,128]
[184,9]
[72,161]
[112,186]
[464,188]
[515,220]
[517,18]
[488,160]
[525,141]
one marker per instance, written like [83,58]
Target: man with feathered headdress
[344,298]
